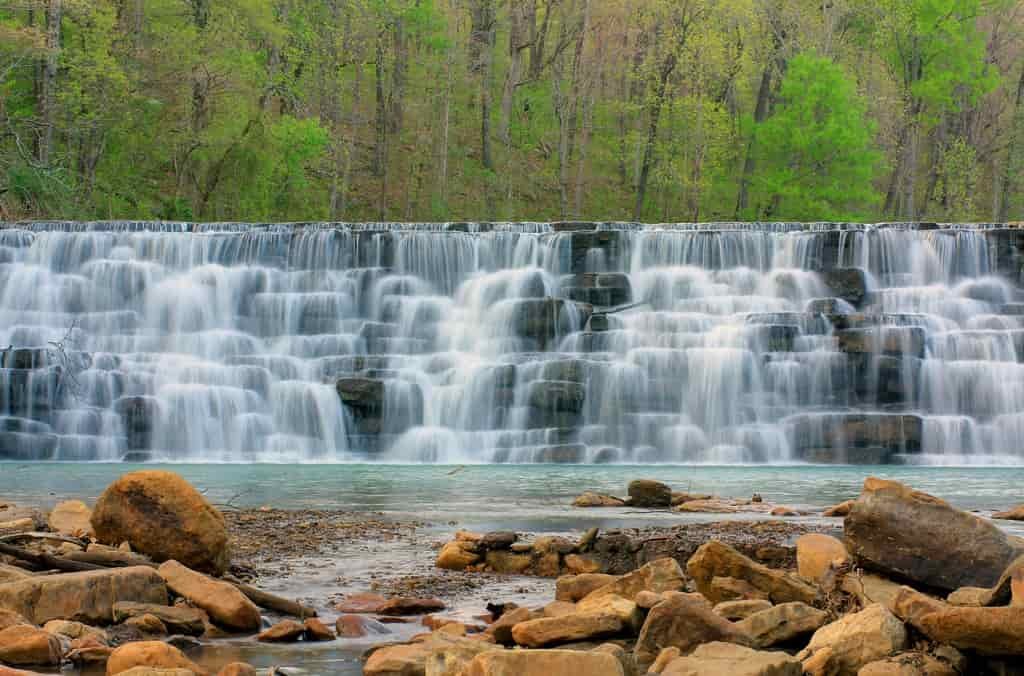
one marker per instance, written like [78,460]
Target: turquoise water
[509,494]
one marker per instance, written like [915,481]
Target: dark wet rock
[498,540]
[683,621]
[848,284]
[717,560]
[410,606]
[649,493]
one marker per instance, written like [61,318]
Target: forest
[446,110]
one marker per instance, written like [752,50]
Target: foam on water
[512,342]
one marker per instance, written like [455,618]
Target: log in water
[512,342]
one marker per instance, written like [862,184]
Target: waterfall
[512,342]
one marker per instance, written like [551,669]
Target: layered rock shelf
[512,342]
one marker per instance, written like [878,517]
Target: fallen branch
[41,536]
[270,601]
[110,559]
[48,561]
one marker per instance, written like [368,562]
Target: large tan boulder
[910,664]
[163,516]
[683,621]
[716,559]
[915,536]
[157,671]
[410,659]
[741,610]
[817,553]
[237,669]
[544,663]
[609,604]
[223,602]
[547,631]
[74,630]
[452,659]
[152,654]
[456,555]
[501,629]
[719,659]
[9,618]
[83,597]
[71,517]
[591,499]
[24,644]
[986,630]
[12,573]
[575,587]
[658,576]
[782,623]
[844,646]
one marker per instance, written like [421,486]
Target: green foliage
[817,161]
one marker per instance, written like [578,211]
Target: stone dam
[562,342]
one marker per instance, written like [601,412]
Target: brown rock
[177,619]
[454,659]
[71,517]
[23,525]
[498,539]
[718,659]
[869,588]
[715,559]
[854,640]
[9,618]
[286,631]
[354,626]
[147,625]
[658,576]
[12,573]
[156,671]
[8,671]
[317,630]
[223,602]
[732,589]
[683,621]
[909,664]
[969,596]
[916,536]
[88,651]
[816,553]
[648,599]
[237,669]
[988,631]
[74,630]
[578,564]
[649,493]
[842,509]
[363,602]
[501,629]
[83,597]
[509,563]
[589,499]
[410,606]
[24,644]
[575,587]
[782,623]
[154,654]
[547,631]
[456,556]
[1012,514]
[739,610]
[665,657]
[544,663]
[610,604]
[410,659]
[782,510]
[163,516]
[558,609]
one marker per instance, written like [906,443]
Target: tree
[816,156]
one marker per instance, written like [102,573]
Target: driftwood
[48,561]
[108,559]
[32,535]
[270,601]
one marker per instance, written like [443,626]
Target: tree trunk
[481,63]
[538,37]
[654,113]
[48,81]
[1013,148]
[515,66]
[398,78]
[761,108]
[380,125]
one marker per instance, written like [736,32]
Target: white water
[224,342]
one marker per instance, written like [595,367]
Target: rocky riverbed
[154,577]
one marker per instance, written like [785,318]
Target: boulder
[734,589]
[456,555]
[1013,514]
[683,621]
[156,671]
[715,559]
[222,601]
[718,659]
[544,663]
[869,588]
[83,597]
[354,626]
[782,623]
[918,537]
[237,669]
[575,587]
[817,553]
[317,630]
[591,499]
[611,604]
[163,516]
[410,606]
[71,517]
[74,630]
[286,631]
[363,602]
[410,659]
[12,573]
[153,654]
[844,646]
[177,619]
[558,609]
[547,631]
[498,540]
[649,493]
[508,562]
[453,660]
[988,631]
[147,625]
[501,629]
[658,576]
[910,664]
[841,509]
[648,599]
[24,644]
[578,564]
[9,618]
[739,610]
[665,657]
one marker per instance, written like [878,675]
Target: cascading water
[525,342]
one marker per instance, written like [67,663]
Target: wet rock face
[138,417]
[848,284]
[367,401]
